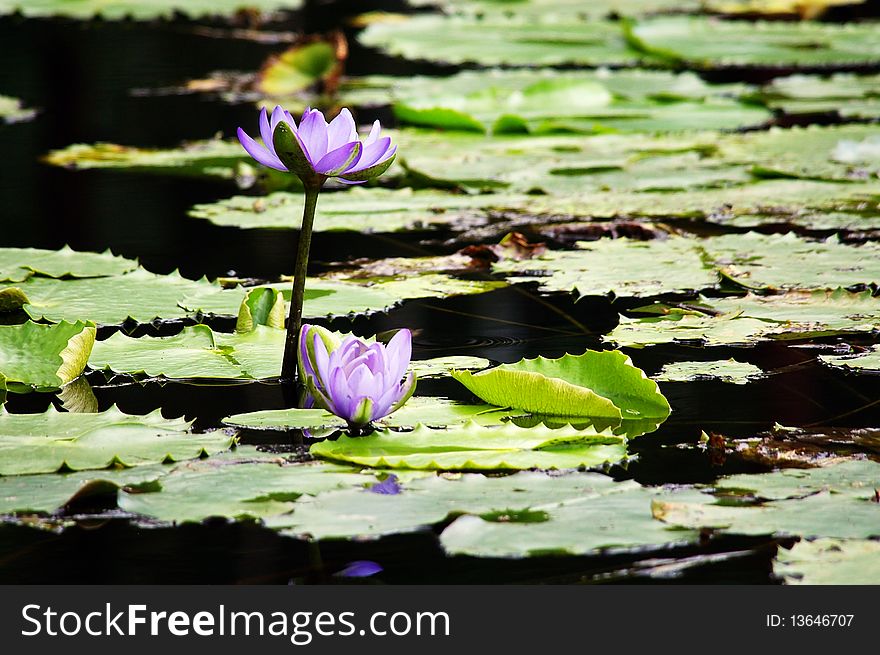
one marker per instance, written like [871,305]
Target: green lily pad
[427,411]
[615,517]
[830,561]
[542,8]
[139,9]
[297,68]
[358,209]
[475,447]
[140,295]
[48,442]
[866,362]
[845,94]
[501,39]
[619,267]
[752,318]
[427,501]
[50,492]
[700,42]
[44,356]
[255,486]
[835,501]
[12,110]
[543,101]
[725,370]
[18,264]
[595,384]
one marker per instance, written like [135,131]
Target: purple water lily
[325,150]
[357,381]
[314,151]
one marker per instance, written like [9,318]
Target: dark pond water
[81,77]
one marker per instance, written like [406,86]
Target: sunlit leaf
[44,356]
[830,561]
[725,370]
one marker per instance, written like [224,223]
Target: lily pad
[595,384]
[543,101]
[18,264]
[358,209]
[845,94]
[615,517]
[297,68]
[44,356]
[140,296]
[866,362]
[700,42]
[255,486]
[12,110]
[427,411]
[427,501]
[48,493]
[475,447]
[619,267]
[830,561]
[501,39]
[49,442]
[139,9]
[752,318]
[725,370]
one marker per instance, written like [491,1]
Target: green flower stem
[294,318]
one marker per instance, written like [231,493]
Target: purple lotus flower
[355,380]
[317,150]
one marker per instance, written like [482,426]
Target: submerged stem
[294,318]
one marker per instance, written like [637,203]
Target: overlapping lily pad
[752,318]
[619,267]
[725,370]
[18,264]
[255,486]
[52,441]
[612,517]
[592,385]
[139,9]
[475,447]
[542,101]
[428,501]
[12,110]
[835,501]
[140,295]
[700,42]
[830,561]
[35,355]
[358,209]
[846,94]
[866,362]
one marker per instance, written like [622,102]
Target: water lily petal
[374,134]
[260,153]
[313,136]
[339,160]
[342,130]
[399,351]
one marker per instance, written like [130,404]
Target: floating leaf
[297,68]
[472,446]
[358,209]
[543,101]
[430,412]
[615,517]
[48,442]
[18,264]
[725,370]
[594,384]
[830,561]
[700,42]
[261,306]
[426,501]
[805,9]
[254,486]
[866,362]
[752,318]
[499,39]
[139,9]
[50,492]
[845,94]
[44,356]
[619,267]
[140,295]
